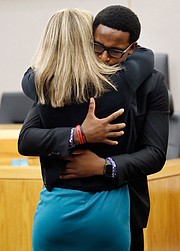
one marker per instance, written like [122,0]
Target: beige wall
[22,22]
[160,31]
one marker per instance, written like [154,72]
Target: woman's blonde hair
[66,68]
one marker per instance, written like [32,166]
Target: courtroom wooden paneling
[163,231]
[10,126]
[8,140]
[19,195]
[9,145]
[19,192]
[30,160]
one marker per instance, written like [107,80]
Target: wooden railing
[19,194]
[163,230]
[8,146]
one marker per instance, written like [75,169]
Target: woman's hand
[100,130]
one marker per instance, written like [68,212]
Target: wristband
[83,133]
[110,168]
[71,138]
[114,168]
[80,135]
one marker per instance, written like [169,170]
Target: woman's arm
[28,85]
[34,140]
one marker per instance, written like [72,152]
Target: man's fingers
[79,151]
[115,115]
[115,134]
[116,127]
[67,176]
[67,158]
[111,142]
[92,106]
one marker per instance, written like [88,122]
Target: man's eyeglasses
[114,53]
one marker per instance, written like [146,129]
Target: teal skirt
[72,220]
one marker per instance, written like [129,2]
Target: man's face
[115,39]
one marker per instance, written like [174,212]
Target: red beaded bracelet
[80,134]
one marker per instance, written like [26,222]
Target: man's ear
[133,48]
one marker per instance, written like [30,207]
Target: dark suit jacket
[140,152]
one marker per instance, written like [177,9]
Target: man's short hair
[120,18]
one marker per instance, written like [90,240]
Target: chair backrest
[14,107]
[161,64]
[173,151]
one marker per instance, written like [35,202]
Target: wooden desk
[8,141]
[9,134]
[10,126]
[19,195]
[163,231]
[19,192]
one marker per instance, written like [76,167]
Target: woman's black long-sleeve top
[141,150]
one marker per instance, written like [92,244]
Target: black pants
[137,239]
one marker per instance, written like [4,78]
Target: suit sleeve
[151,153]
[138,67]
[28,85]
[36,141]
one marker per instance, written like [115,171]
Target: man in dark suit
[114,40]
[116,31]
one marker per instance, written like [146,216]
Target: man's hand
[100,130]
[83,163]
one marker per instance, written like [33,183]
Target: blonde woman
[67,74]
[78,213]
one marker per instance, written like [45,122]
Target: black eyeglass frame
[109,50]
